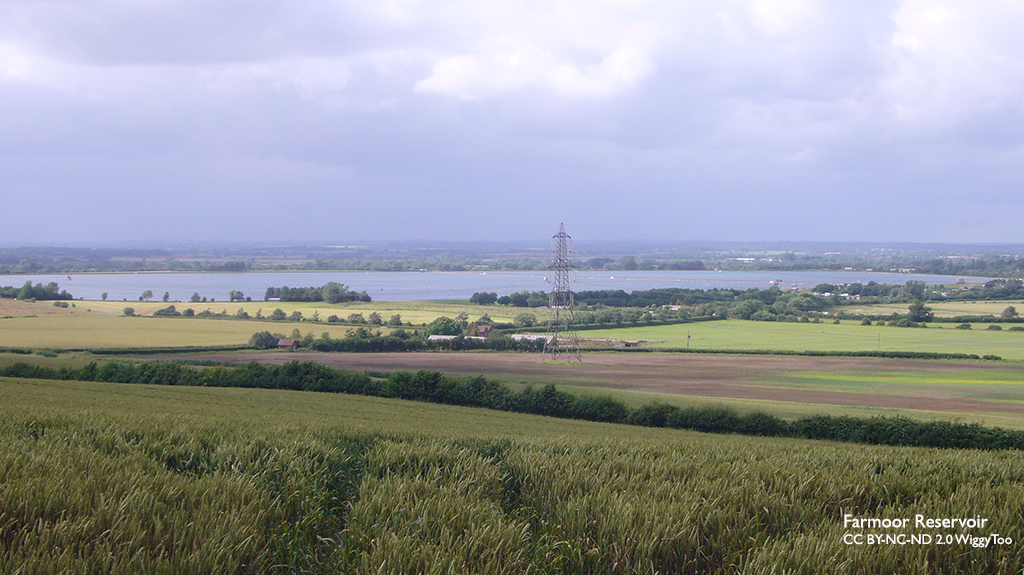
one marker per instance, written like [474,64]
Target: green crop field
[112,478]
[825,336]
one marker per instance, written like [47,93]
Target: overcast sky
[255,120]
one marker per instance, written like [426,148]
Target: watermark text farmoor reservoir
[921,530]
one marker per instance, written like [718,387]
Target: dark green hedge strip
[897,431]
[812,353]
[431,386]
[163,350]
[17,350]
[435,387]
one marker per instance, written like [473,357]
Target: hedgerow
[436,387]
[812,353]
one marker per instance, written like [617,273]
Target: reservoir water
[391,286]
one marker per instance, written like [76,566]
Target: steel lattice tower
[562,342]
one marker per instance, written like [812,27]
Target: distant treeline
[997,289]
[825,295]
[771,304]
[331,292]
[74,265]
[669,296]
[974,265]
[620,298]
[362,340]
[435,387]
[953,261]
[50,291]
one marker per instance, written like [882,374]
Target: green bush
[263,340]
[598,408]
[904,322]
[168,311]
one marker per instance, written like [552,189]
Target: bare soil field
[920,385]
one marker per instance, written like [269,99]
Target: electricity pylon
[562,342]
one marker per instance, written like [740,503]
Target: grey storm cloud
[762,119]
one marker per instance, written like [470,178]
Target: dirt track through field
[743,377]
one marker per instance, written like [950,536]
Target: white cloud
[310,77]
[952,59]
[780,16]
[740,98]
[15,65]
[575,50]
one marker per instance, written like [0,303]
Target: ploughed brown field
[865,382]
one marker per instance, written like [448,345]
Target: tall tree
[920,312]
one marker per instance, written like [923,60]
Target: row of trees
[520,299]
[331,292]
[373,319]
[50,291]
[278,314]
[363,340]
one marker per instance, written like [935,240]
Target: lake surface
[391,286]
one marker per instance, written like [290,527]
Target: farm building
[481,330]
[533,337]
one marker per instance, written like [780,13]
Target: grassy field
[136,478]
[417,312]
[100,324]
[858,390]
[847,336]
[93,331]
[96,324]
[941,309]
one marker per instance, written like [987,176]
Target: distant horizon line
[536,242]
[582,245]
